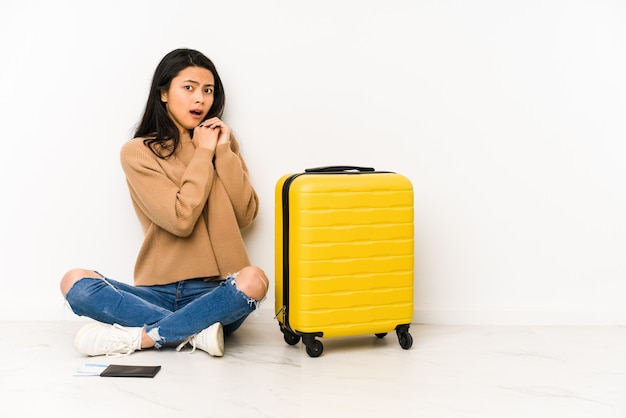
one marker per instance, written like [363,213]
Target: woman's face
[189,97]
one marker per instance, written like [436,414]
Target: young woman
[190,188]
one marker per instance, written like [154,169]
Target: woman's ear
[164,96]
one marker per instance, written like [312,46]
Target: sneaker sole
[220,339]
[81,332]
[216,335]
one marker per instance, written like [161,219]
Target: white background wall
[508,117]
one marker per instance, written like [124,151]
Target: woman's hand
[211,133]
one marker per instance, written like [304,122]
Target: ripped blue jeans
[170,313]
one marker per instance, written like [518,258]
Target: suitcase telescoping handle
[337,169]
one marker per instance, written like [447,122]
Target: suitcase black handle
[337,168]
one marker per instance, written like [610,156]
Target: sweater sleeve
[170,203]
[233,173]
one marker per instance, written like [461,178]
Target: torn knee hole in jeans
[252,302]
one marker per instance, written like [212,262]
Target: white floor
[449,372]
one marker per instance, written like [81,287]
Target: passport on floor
[120,370]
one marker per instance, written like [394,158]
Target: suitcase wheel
[290,337]
[404,337]
[314,348]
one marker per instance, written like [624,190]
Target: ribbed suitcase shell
[344,253]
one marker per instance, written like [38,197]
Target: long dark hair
[156,127]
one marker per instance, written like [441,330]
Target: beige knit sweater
[191,211]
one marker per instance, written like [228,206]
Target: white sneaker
[97,339]
[210,339]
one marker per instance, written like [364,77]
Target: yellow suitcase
[344,255]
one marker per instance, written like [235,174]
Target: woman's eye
[189,88]
[208,90]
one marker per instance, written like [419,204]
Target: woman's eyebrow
[195,82]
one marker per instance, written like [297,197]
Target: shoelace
[191,341]
[121,342]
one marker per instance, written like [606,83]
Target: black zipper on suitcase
[285,238]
